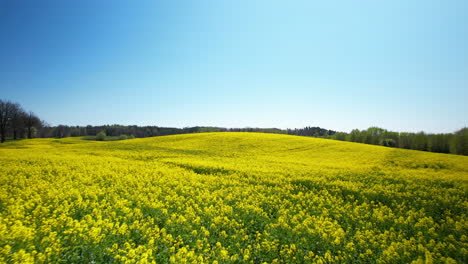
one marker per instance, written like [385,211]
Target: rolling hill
[230,198]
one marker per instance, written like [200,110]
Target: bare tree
[6,110]
[31,121]
[17,119]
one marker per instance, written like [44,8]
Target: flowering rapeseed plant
[230,198]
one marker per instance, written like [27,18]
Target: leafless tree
[31,121]
[6,110]
[17,119]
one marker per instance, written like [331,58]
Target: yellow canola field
[230,198]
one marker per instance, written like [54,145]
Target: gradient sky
[400,64]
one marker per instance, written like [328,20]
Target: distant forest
[154,131]
[16,123]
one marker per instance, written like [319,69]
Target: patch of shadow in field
[15,147]
[347,194]
[307,185]
[418,165]
[150,158]
[58,141]
[203,170]
[374,176]
[250,179]
[434,207]
[184,151]
[14,144]
[156,149]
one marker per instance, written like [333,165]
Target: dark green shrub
[101,136]
[388,142]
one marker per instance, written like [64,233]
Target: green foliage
[388,142]
[101,136]
[456,143]
[75,132]
[461,141]
[355,136]
[406,140]
[440,142]
[374,135]
[339,136]
[123,137]
[420,142]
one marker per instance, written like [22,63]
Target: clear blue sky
[400,64]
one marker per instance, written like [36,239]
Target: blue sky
[400,65]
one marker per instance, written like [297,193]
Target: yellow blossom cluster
[230,198]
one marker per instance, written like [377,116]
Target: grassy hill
[230,198]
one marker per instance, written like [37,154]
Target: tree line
[15,123]
[115,131]
[154,131]
[311,132]
[455,143]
